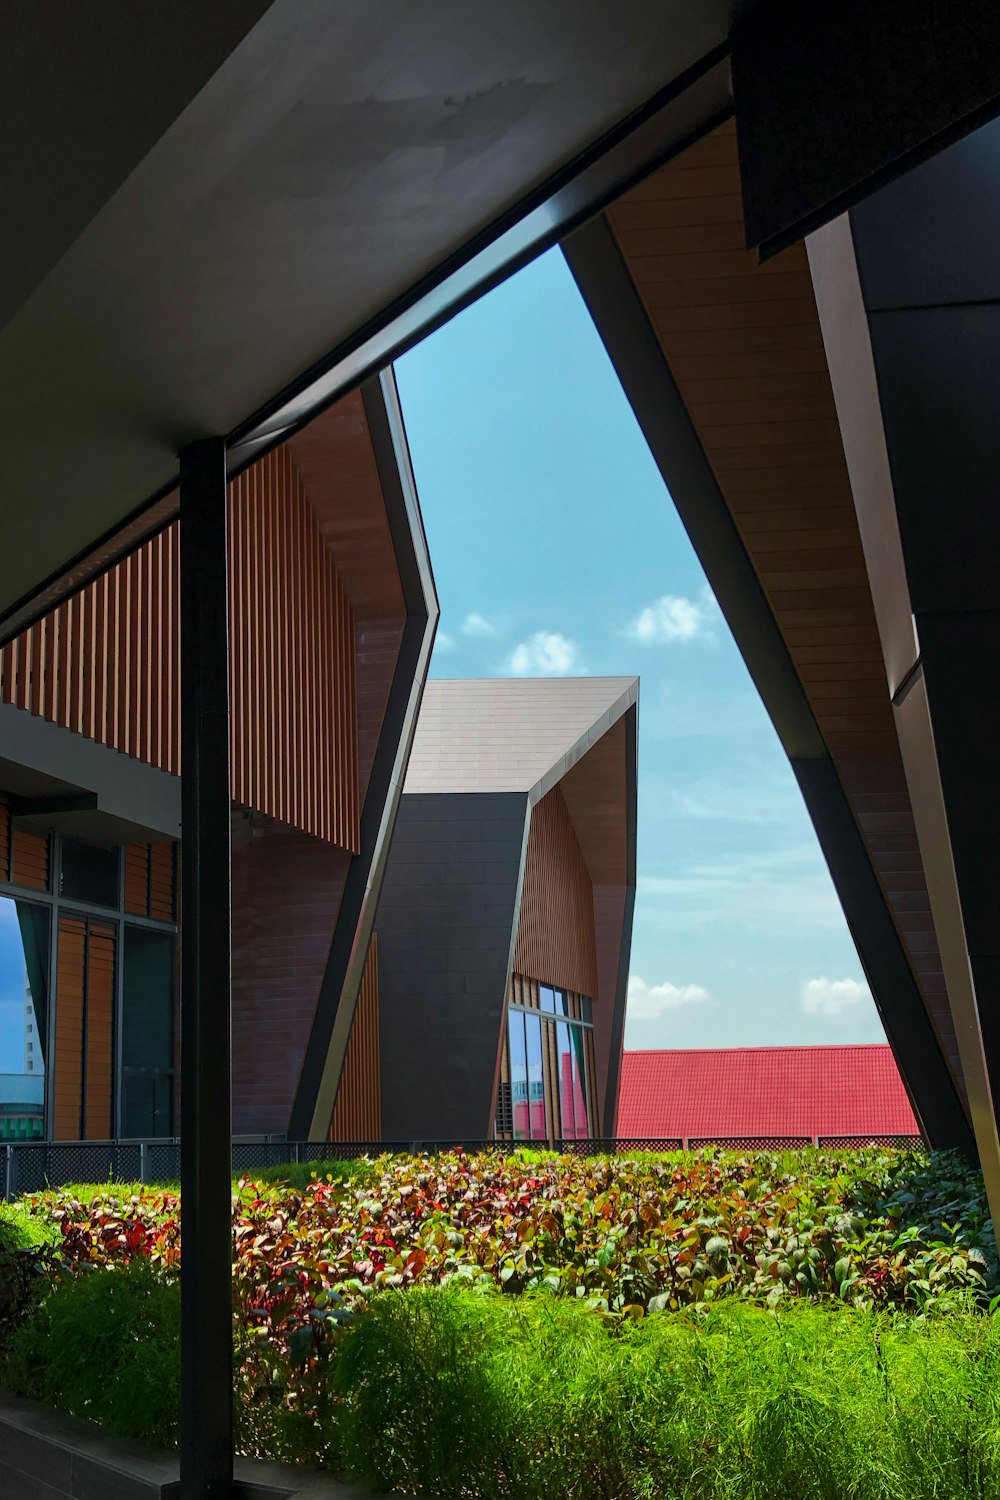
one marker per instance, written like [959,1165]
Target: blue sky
[556,548]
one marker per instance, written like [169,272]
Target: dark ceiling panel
[344,156]
[834,100]
[85,91]
[931,236]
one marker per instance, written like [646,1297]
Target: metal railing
[32,1166]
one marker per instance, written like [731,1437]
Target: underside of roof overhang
[724,363]
[225,221]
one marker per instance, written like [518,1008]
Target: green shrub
[105,1345]
[451,1392]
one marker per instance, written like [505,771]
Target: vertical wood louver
[357,1115]
[555,935]
[106,664]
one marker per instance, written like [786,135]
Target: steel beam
[205,944]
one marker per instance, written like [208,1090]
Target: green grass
[20,1229]
[449,1392]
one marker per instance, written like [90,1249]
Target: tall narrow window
[518,1075]
[537,1130]
[147,1086]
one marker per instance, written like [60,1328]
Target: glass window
[88,873]
[578,1038]
[564,1054]
[24,979]
[147,1034]
[562,1003]
[547,997]
[586,1010]
[536,1080]
[518,1075]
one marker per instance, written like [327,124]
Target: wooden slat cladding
[68,1085]
[357,1114]
[149,881]
[29,861]
[294,693]
[137,879]
[84,1023]
[555,935]
[163,882]
[745,347]
[106,664]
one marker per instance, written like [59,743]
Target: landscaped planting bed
[544,1326]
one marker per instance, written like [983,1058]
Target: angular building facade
[505,920]
[332,610]
[726,360]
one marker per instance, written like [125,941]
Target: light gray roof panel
[510,734]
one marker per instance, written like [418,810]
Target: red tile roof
[763,1091]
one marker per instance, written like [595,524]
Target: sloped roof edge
[518,734]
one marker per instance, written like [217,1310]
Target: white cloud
[673,618]
[443,641]
[830,997]
[544,654]
[648,1002]
[478,625]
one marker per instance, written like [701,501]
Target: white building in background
[33,1059]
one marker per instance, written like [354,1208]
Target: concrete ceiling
[208,200]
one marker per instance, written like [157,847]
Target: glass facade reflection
[546,1087]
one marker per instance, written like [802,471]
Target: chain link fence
[30,1167]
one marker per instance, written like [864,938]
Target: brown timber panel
[357,1114]
[162,881]
[70,969]
[85,1002]
[745,346]
[30,860]
[287,888]
[294,699]
[137,879]
[555,935]
[106,664]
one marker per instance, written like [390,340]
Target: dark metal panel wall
[835,100]
[445,927]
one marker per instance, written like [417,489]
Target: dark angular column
[206,1145]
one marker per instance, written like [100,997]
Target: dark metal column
[206,1146]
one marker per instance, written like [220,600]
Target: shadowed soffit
[242,199]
